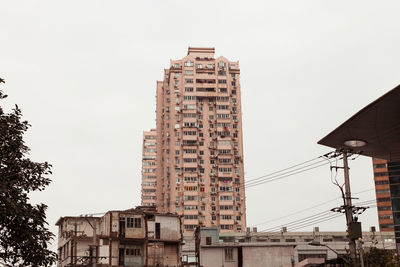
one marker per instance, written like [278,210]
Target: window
[188,72]
[225,170]
[129,222]
[226,207]
[380,165]
[191,188]
[379,174]
[224,151]
[189,97]
[225,198]
[382,191]
[190,217]
[190,198]
[189,106]
[136,251]
[223,107]
[222,81]
[138,223]
[223,116]
[222,90]
[381,182]
[222,73]
[188,89]
[189,81]
[189,63]
[190,179]
[190,226]
[190,207]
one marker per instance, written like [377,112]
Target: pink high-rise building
[199,142]
[149,178]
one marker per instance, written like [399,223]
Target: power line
[274,177]
[309,219]
[284,176]
[288,168]
[307,209]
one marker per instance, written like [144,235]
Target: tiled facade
[149,178]
[382,189]
[199,142]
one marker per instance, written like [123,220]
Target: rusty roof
[378,124]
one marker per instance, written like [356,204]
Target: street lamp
[318,244]
[355,143]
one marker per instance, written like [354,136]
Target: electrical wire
[307,209]
[312,219]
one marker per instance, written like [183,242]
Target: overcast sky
[84,74]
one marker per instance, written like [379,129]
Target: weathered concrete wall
[214,257]
[135,232]
[212,232]
[104,228]
[114,252]
[114,223]
[169,227]
[267,256]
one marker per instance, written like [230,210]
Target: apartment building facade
[387,187]
[149,166]
[382,190]
[199,142]
[135,237]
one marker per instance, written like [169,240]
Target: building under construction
[134,237]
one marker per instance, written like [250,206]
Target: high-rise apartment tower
[149,178]
[199,142]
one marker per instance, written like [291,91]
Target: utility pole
[95,244]
[360,247]
[348,206]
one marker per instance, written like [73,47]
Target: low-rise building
[134,237]
[272,249]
